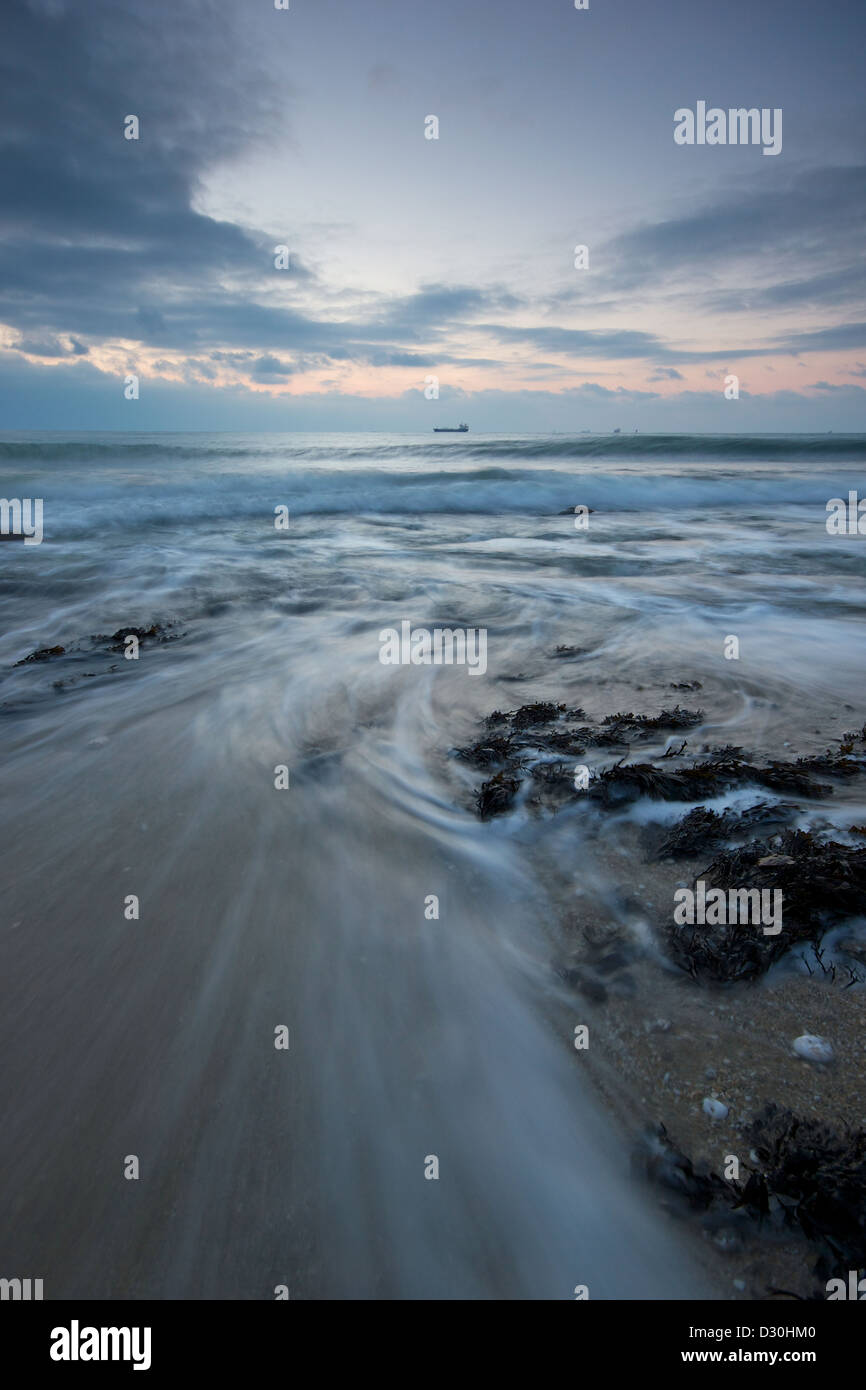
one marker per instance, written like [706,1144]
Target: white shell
[813,1049]
[715,1109]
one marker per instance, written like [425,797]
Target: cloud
[49,346]
[102,242]
[814,217]
[96,231]
[270,368]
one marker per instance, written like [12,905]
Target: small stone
[714,1108]
[813,1049]
[727,1240]
[740,1284]
[710,1073]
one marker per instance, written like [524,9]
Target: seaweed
[675,718]
[804,1175]
[495,748]
[529,716]
[113,642]
[517,739]
[818,1177]
[43,654]
[697,1186]
[831,765]
[702,828]
[496,795]
[157,632]
[626,782]
[822,882]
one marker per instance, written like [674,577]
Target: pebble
[710,1073]
[714,1108]
[739,1284]
[726,1240]
[812,1048]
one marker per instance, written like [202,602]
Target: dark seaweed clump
[496,795]
[675,718]
[702,829]
[805,1176]
[626,782]
[43,654]
[114,642]
[117,640]
[822,882]
[516,739]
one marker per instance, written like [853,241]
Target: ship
[451,429]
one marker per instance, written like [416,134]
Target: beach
[302,900]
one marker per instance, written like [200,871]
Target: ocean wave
[390,448]
[222,500]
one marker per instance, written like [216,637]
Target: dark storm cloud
[98,235]
[97,230]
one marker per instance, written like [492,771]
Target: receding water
[409,1036]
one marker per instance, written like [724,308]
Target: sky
[430,280]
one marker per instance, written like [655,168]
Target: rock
[716,1109]
[813,1049]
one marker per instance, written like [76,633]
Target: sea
[254,934]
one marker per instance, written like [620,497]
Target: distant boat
[451,429]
